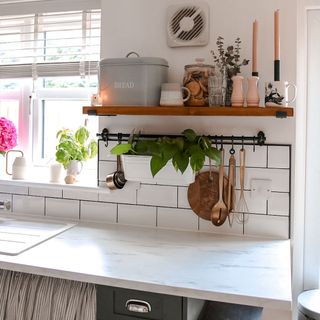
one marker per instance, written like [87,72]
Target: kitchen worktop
[249,271]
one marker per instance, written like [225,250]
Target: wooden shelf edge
[279,112]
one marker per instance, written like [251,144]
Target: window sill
[86,182]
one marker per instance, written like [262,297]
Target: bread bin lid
[309,304]
[134,61]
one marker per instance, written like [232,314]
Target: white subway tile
[279,177]
[55,192]
[28,205]
[255,205]
[6,188]
[207,226]
[182,219]
[183,198]
[69,193]
[254,159]
[104,152]
[98,211]
[156,195]
[278,204]
[278,157]
[6,197]
[269,226]
[126,195]
[105,168]
[137,215]
[62,208]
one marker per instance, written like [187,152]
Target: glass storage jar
[196,80]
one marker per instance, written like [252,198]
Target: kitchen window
[48,71]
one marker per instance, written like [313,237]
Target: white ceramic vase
[237,97]
[74,168]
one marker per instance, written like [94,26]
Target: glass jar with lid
[196,80]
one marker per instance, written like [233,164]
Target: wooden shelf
[278,112]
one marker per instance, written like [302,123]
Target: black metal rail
[259,139]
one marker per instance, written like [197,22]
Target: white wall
[140,25]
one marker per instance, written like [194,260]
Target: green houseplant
[74,146]
[190,148]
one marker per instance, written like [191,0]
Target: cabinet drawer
[124,304]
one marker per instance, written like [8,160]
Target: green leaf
[81,135]
[93,149]
[156,164]
[190,135]
[121,149]
[213,154]
[197,158]
[180,161]
[179,142]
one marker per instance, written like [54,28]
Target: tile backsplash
[166,206]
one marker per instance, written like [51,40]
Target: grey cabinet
[124,304]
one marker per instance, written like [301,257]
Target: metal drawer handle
[5,205]
[134,305]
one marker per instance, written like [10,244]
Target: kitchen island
[250,271]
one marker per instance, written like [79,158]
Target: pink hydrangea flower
[8,135]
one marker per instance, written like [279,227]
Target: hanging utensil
[219,212]
[117,179]
[242,207]
[231,199]
[203,193]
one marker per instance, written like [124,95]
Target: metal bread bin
[132,80]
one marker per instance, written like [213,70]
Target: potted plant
[229,63]
[187,154]
[73,148]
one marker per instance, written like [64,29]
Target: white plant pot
[137,168]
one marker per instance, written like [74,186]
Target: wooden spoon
[219,212]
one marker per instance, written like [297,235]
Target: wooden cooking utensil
[231,183]
[203,193]
[231,186]
[220,211]
[242,207]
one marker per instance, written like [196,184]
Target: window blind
[50,44]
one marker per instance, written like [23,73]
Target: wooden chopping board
[203,194]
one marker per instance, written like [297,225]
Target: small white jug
[19,166]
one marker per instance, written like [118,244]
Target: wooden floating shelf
[278,112]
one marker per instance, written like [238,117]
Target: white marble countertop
[247,271]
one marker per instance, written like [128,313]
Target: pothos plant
[190,148]
[75,146]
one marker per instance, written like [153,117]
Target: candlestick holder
[253,99]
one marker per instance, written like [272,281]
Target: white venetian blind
[50,44]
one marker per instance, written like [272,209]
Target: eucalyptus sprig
[190,148]
[229,58]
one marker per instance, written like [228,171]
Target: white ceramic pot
[137,168]
[74,168]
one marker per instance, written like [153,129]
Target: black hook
[232,151]
[216,141]
[119,137]
[104,136]
[221,142]
[254,144]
